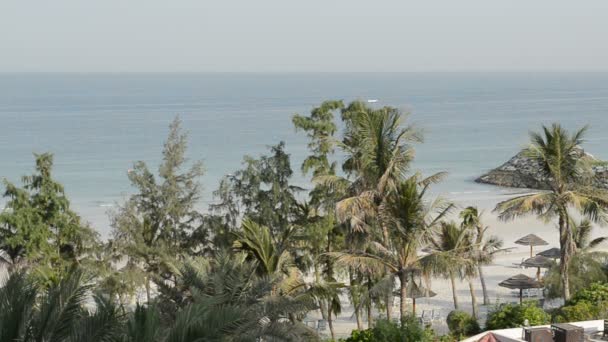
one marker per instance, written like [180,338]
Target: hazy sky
[305,35]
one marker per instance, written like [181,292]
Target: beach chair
[321,325]
[427,317]
[436,316]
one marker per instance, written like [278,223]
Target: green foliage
[597,292]
[582,311]
[409,330]
[361,336]
[159,223]
[39,227]
[586,304]
[462,324]
[513,315]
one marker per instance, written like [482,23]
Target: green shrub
[513,315]
[581,311]
[360,336]
[586,304]
[384,330]
[462,324]
[593,294]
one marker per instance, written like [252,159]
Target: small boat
[372,101]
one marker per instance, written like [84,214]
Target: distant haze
[306,35]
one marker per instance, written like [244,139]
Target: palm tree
[410,221]
[486,248]
[565,170]
[273,257]
[228,300]
[441,260]
[378,151]
[30,313]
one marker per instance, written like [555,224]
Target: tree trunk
[389,307]
[355,301]
[402,295]
[473,298]
[148,288]
[330,277]
[330,322]
[565,241]
[370,318]
[322,306]
[454,294]
[486,298]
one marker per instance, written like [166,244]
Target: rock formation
[522,171]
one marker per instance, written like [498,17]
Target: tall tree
[565,171]
[39,227]
[377,144]
[159,221]
[485,247]
[411,222]
[320,128]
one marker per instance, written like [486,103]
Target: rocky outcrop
[524,172]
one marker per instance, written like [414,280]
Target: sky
[302,36]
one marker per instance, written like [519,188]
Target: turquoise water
[98,124]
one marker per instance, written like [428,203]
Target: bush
[513,315]
[384,330]
[595,293]
[461,324]
[587,304]
[581,311]
[360,336]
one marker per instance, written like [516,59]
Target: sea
[97,125]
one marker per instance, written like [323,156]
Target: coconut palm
[377,144]
[454,251]
[410,221]
[565,170]
[442,261]
[485,247]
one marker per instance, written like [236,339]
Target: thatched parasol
[552,253]
[539,262]
[520,281]
[531,240]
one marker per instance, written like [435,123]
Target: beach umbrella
[520,282]
[415,291]
[531,240]
[539,262]
[552,253]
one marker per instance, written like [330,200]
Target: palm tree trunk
[322,306]
[486,298]
[370,318]
[473,298]
[565,241]
[389,306]
[330,322]
[454,295]
[355,301]
[148,288]
[402,295]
